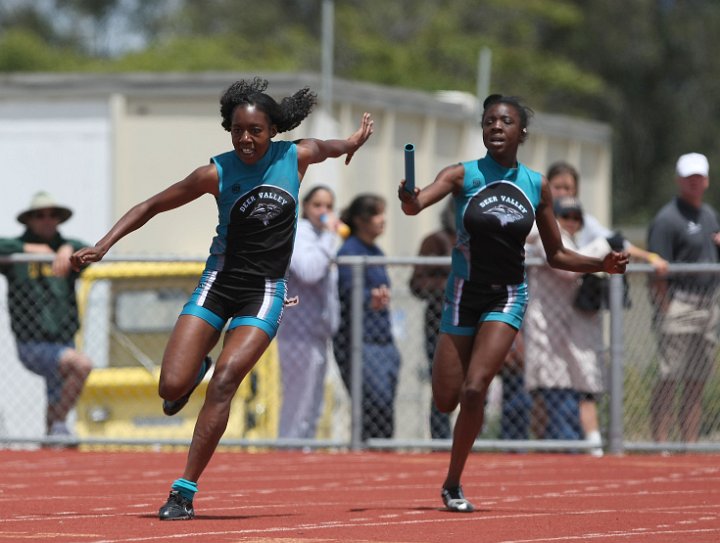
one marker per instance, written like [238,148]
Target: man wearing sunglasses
[43,307]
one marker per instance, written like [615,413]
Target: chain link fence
[376,392]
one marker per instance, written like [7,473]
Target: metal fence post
[617,363]
[356,353]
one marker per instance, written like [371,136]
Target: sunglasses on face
[571,217]
[49,214]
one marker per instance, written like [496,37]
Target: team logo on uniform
[265,212]
[500,203]
[263,204]
[505,214]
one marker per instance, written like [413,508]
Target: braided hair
[286,115]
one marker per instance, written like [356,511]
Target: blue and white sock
[187,489]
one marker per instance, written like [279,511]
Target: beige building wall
[163,126]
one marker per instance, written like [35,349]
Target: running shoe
[177,508]
[455,501]
[170,408]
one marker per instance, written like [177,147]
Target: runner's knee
[171,387]
[473,396]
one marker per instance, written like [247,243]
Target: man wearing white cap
[43,308]
[685,230]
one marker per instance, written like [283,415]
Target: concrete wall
[61,145]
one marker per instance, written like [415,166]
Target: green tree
[22,50]
[660,76]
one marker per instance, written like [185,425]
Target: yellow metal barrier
[122,402]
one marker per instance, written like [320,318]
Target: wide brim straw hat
[42,200]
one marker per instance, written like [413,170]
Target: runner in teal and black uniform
[250,254]
[495,212]
[497,199]
[256,189]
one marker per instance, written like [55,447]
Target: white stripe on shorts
[267,299]
[459,283]
[511,297]
[206,287]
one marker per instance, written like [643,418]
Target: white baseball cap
[692,164]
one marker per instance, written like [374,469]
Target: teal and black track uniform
[244,278]
[494,214]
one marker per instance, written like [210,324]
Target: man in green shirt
[43,307]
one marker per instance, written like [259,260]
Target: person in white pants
[303,339]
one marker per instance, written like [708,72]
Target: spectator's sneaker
[60,436]
[595,439]
[59,428]
[170,408]
[455,501]
[177,508]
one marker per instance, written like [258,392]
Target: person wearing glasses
[563,343]
[43,307]
[564,180]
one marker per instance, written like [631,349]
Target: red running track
[292,497]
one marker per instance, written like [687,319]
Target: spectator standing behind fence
[685,230]
[564,180]
[255,186]
[43,307]
[563,344]
[380,357]
[304,337]
[497,199]
[428,284]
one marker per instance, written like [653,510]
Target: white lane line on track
[367,522]
[615,536]
[625,535]
[247,510]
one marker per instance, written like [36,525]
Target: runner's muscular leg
[492,343]
[191,340]
[242,349]
[452,356]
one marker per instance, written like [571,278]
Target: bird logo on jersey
[265,212]
[499,207]
[260,232]
[505,214]
[263,204]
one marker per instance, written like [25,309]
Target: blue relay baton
[409,167]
